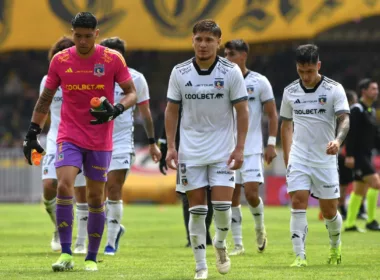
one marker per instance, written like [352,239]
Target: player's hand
[31,142]
[164,150]
[349,162]
[236,158]
[154,152]
[170,157]
[109,113]
[270,153]
[333,147]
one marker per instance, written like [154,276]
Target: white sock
[334,227]
[50,207]
[82,219]
[114,216]
[258,214]
[197,231]
[298,230]
[222,220]
[236,228]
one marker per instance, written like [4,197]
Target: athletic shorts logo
[184,181]
[60,157]
[183,168]
[99,70]
[46,171]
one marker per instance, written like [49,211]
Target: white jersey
[207,96]
[314,115]
[123,125]
[55,117]
[259,91]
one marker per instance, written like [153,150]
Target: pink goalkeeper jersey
[80,80]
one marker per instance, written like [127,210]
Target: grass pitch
[153,248]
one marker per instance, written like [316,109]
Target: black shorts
[363,167]
[346,175]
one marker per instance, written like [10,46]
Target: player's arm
[239,99]
[286,138]
[171,119]
[286,113]
[342,111]
[267,98]
[129,98]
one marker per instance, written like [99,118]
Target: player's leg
[298,186]
[237,217]
[342,201]
[222,181]
[356,198]
[373,182]
[252,174]
[49,184]
[68,163]
[194,182]
[95,167]
[186,216]
[115,229]
[81,214]
[326,188]
[346,176]
[209,217]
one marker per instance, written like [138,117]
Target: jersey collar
[205,72]
[246,74]
[314,89]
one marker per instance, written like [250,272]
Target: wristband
[151,141]
[272,140]
[162,141]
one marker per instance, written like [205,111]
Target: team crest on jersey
[250,90]
[219,84]
[322,100]
[99,70]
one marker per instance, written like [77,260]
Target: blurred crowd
[21,73]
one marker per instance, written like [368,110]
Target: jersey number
[48,159]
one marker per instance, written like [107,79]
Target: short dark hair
[84,20]
[307,54]
[207,25]
[237,45]
[364,84]
[60,45]
[114,43]
[350,95]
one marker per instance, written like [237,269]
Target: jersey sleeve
[122,73]
[286,110]
[238,90]
[142,89]
[53,81]
[340,101]
[42,85]
[266,93]
[174,92]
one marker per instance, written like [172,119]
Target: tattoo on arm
[43,103]
[343,127]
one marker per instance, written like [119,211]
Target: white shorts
[198,176]
[121,161]
[49,172]
[321,182]
[252,170]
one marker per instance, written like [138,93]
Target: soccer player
[314,104]
[360,142]
[49,175]
[84,138]
[185,202]
[208,87]
[251,174]
[123,149]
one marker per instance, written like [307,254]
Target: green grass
[153,248]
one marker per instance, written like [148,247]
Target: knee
[114,191]
[252,196]
[299,202]
[329,213]
[94,197]
[65,187]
